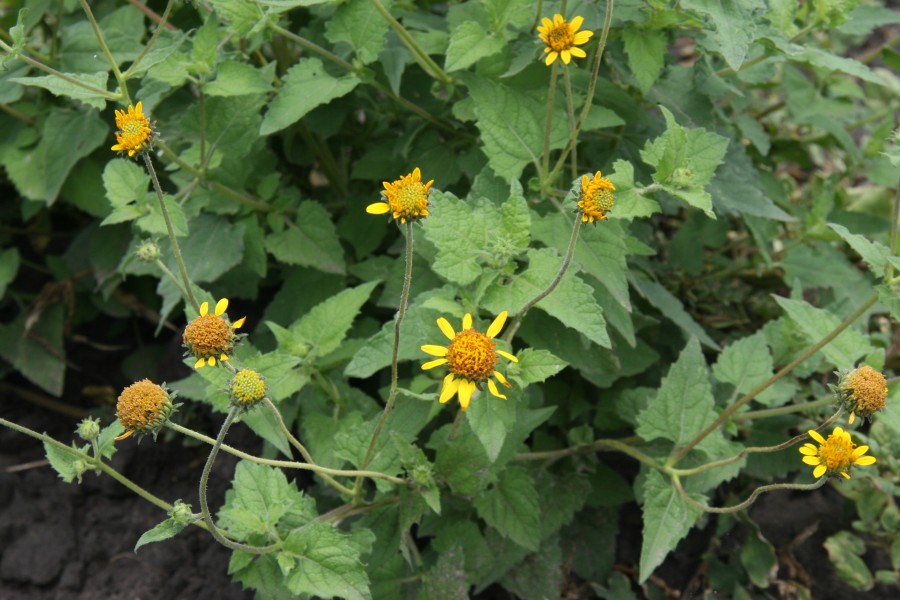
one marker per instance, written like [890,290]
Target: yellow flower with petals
[135,131]
[835,456]
[406,198]
[471,357]
[562,38]
[596,198]
[143,407]
[211,337]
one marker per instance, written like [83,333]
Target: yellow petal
[123,436]
[492,387]
[547,23]
[449,389]
[838,431]
[811,460]
[557,19]
[200,363]
[845,475]
[434,363]
[467,321]
[417,174]
[434,350]
[446,328]
[211,361]
[497,325]
[239,323]
[859,451]
[465,393]
[566,56]
[502,379]
[204,308]
[507,355]
[577,52]
[138,108]
[865,460]
[816,436]
[550,58]
[378,208]
[117,148]
[575,23]
[582,37]
[819,471]
[808,449]
[223,357]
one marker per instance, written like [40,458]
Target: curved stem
[548,122]
[778,411]
[168,272]
[395,355]
[570,251]
[204,504]
[620,445]
[176,249]
[725,414]
[746,503]
[428,65]
[106,52]
[163,21]
[65,77]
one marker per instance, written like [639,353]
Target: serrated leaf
[310,241]
[447,578]
[815,323]
[817,57]
[459,231]
[875,254]
[37,353]
[359,23]
[468,44]
[735,26]
[844,552]
[65,87]
[646,51]
[672,309]
[684,404]
[737,188]
[326,325]
[305,86]
[161,531]
[511,507]
[572,302]
[62,462]
[260,496]
[243,16]
[745,363]
[124,181]
[238,79]
[758,557]
[328,563]
[667,519]
[534,366]
[491,419]
[217,247]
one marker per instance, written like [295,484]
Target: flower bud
[247,388]
[88,429]
[148,251]
[181,513]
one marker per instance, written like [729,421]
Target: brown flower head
[143,407]
[596,198]
[211,337]
[863,392]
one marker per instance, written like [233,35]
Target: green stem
[176,249]
[106,52]
[68,78]
[766,413]
[725,414]
[570,251]
[746,503]
[284,464]
[589,98]
[421,57]
[538,12]
[548,122]
[204,504]
[168,272]
[457,421]
[596,446]
[159,27]
[570,108]
[395,356]
[895,218]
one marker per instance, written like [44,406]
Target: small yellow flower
[247,388]
[135,132]
[471,357]
[210,337]
[835,456]
[406,198]
[561,38]
[863,392]
[596,198]
[143,407]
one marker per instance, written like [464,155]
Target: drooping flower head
[862,391]
[143,407]
[135,132]
[471,357]
[596,198]
[406,198]
[835,456]
[563,38]
[247,388]
[211,337]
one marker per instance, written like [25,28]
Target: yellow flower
[561,38]
[135,131]
[863,392]
[596,198]
[209,337]
[471,357]
[835,456]
[247,388]
[143,407]
[406,198]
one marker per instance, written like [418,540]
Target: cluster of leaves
[753,170]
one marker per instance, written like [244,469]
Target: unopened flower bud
[88,429]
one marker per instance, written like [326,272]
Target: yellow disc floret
[406,198]
[135,131]
[562,38]
[247,388]
[835,456]
[596,198]
[210,337]
[863,392]
[143,407]
[472,355]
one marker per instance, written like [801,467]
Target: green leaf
[161,531]
[328,563]
[738,188]
[151,219]
[125,182]
[539,576]
[815,323]
[684,404]
[9,268]
[80,51]
[491,419]
[310,241]
[646,51]
[63,462]
[629,205]
[326,325]
[62,87]
[468,43]
[745,363]
[534,366]
[758,557]
[863,19]
[259,498]
[243,16]
[845,551]
[459,230]
[735,26]
[217,247]
[667,519]
[572,302]
[817,57]
[306,85]
[239,79]
[874,253]
[671,308]
[511,507]
[359,23]
[462,464]
[446,580]
[36,350]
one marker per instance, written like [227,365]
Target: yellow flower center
[868,388]
[134,130]
[561,37]
[208,336]
[596,198]
[141,405]
[408,199]
[472,355]
[247,387]
[837,452]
